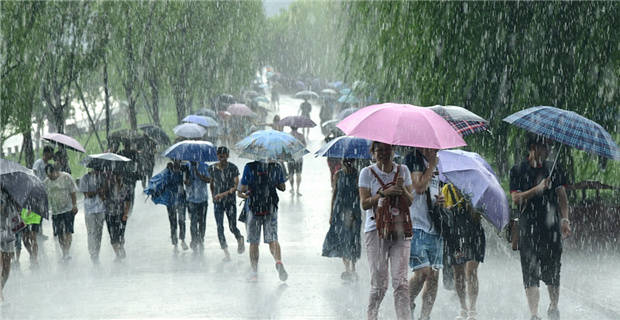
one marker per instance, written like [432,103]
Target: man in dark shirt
[225,177]
[543,223]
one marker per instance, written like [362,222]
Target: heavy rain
[296,159]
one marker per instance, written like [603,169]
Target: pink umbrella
[64,140]
[241,110]
[403,125]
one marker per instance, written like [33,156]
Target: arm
[522,197]
[367,200]
[126,208]
[74,202]
[334,190]
[420,180]
[200,176]
[241,191]
[563,203]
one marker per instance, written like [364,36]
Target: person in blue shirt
[196,180]
[258,185]
[173,185]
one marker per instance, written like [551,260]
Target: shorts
[269,224]
[116,228]
[540,261]
[63,223]
[295,167]
[7,246]
[426,250]
[461,250]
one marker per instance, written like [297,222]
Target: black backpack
[263,197]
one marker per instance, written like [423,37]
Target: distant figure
[117,200]
[61,162]
[92,185]
[305,108]
[8,210]
[343,238]
[295,167]
[131,174]
[275,125]
[62,205]
[327,111]
[196,180]
[39,166]
[275,96]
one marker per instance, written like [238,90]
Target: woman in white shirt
[383,253]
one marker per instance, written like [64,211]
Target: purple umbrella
[471,174]
[240,110]
[297,122]
[64,140]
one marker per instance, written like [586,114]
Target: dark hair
[48,149]
[222,150]
[373,145]
[534,140]
[50,168]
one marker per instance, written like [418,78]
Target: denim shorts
[269,224]
[426,250]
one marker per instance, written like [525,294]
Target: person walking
[465,249]
[225,177]
[305,108]
[63,206]
[177,206]
[92,186]
[427,244]
[196,182]
[258,185]
[117,200]
[8,210]
[39,170]
[383,184]
[343,238]
[295,166]
[543,222]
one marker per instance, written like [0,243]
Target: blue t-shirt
[198,190]
[275,170]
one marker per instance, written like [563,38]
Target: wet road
[156,282]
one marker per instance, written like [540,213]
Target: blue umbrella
[345,91]
[336,84]
[568,128]
[306,95]
[471,174]
[346,148]
[348,99]
[201,151]
[204,121]
[270,145]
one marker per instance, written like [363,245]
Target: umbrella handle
[555,161]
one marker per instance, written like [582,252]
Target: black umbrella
[24,187]
[156,133]
[207,112]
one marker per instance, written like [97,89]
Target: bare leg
[291,179]
[274,247]
[347,265]
[5,263]
[554,297]
[298,182]
[30,242]
[459,284]
[254,256]
[429,294]
[533,296]
[472,283]
[416,283]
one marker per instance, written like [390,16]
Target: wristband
[565,220]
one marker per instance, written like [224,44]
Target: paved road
[155,282]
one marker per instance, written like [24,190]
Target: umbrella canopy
[250,94]
[189,130]
[470,173]
[105,161]
[156,133]
[240,110]
[200,151]
[23,187]
[270,145]
[568,128]
[297,122]
[226,98]
[335,84]
[330,124]
[201,120]
[65,140]
[346,147]
[300,85]
[345,91]
[125,134]
[329,92]
[462,120]
[403,125]
[348,98]
[306,95]
[207,112]
[346,112]
[261,99]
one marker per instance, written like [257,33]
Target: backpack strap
[377,176]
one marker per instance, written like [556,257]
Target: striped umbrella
[568,128]
[462,120]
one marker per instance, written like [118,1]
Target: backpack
[392,214]
[262,197]
[442,218]
[463,219]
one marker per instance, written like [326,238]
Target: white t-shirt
[90,183]
[59,193]
[419,208]
[39,169]
[368,180]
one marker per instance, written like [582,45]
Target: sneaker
[462,315]
[472,315]
[240,245]
[553,314]
[346,276]
[299,194]
[535,318]
[184,245]
[252,276]
[226,256]
[123,253]
[281,272]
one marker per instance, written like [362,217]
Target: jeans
[198,218]
[94,229]
[176,213]
[387,257]
[230,209]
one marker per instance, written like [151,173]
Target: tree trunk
[107,99]
[27,147]
[155,99]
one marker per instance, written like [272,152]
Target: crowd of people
[396,205]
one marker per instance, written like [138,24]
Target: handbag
[243,216]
